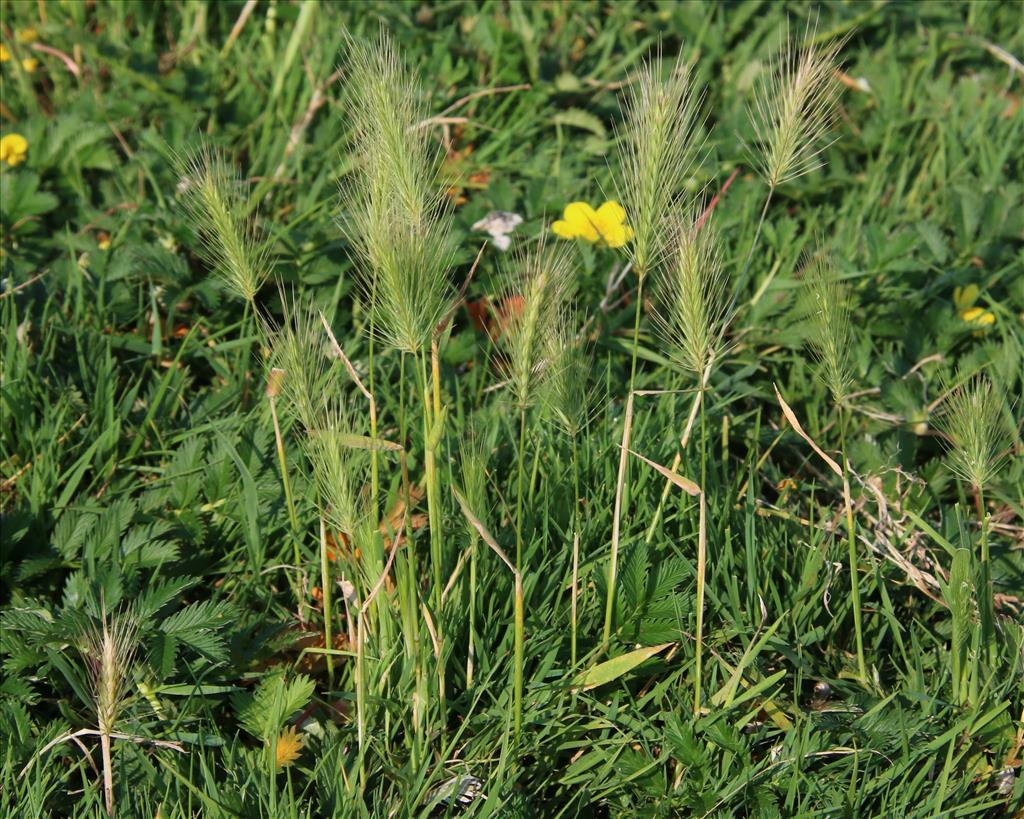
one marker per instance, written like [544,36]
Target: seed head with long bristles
[398,215]
[215,200]
[794,109]
[658,146]
[976,434]
[534,301]
[828,304]
[693,304]
[109,650]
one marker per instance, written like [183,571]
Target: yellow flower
[978,315]
[103,240]
[289,746]
[27,35]
[606,224]
[30,64]
[5,53]
[963,300]
[13,148]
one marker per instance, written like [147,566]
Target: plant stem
[987,604]
[108,772]
[471,648]
[325,584]
[517,670]
[293,518]
[430,469]
[609,604]
[701,572]
[757,235]
[636,327]
[575,544]
[520,456]
[852,549]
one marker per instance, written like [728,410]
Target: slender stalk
[293,518]
[430,418]
[753,243]
[636,327]
[517,670]
[521,457]
[471,648]
[430,468]
[609,605]
[987,603]
[852,548]
[701,573]
[575,544]
[108,770]
[325,584]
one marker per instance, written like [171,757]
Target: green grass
[140,477]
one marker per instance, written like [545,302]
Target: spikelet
[828,303]
[567,396]
[339,467]
[299,348]
[398,217]
[215,201]
[975,430]
[693,305]
[658,146]
[794,109]
[534,298]
[109,651]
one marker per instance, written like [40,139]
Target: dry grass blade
[799,430]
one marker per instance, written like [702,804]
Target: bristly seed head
[794,109]
[658,146]
[975,430]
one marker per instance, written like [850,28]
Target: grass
[377,576]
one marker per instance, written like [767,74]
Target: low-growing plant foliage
[703,499]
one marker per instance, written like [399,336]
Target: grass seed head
[795,108]
[658,146]
[338,467]
[975,430]
[828,303]
[535,297]
[109,650]
[692,294]
[398,215]
[216,202]
[566,396]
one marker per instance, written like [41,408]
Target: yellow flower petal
[978,315]
[563,229]
[5,53]
[13,148]
[616,236]
[30,64]
[27,35]
[611,213]
[583,220]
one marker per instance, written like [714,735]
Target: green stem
[742,282]
[325,584]
[701,561]
[518,659]
[293,518]
[430,468]
[575,544]
[851,533]
[521,456]
[636,327]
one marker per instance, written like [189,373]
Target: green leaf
[614,668]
